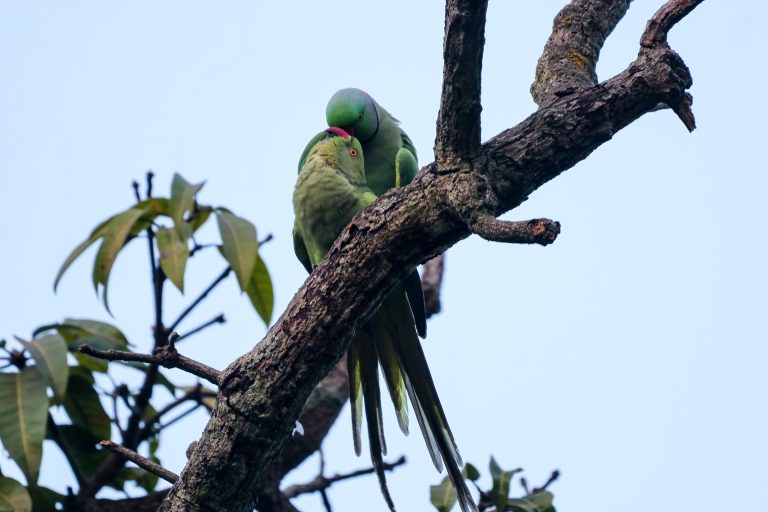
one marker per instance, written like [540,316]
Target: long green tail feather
[355,392]
[369,371]
[390,366]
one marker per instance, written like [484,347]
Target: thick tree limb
[318,415]
[262,392]
[570,55]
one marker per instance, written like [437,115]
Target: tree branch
[536,231]
[321,482]
[458,122]
[139,460]
[665,18]
[570,55]
[166,356]
[200,298]
[262,392]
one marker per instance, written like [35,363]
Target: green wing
[300,249]
[317,138]
[406,167]
[406,161]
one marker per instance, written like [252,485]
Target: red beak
[339,132]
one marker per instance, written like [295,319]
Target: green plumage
[330,190]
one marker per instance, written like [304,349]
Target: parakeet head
[355,111]
[342,151]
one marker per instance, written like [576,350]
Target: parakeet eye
[353,152]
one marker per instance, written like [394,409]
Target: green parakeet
[330,190]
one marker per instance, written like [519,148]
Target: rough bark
[263,391]
[570,56]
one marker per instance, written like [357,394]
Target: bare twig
[141,461]
[193,394]
[200,298]
[322,482]
[552,478]
[536,231]
[164,356]
[432,283]
[217,320]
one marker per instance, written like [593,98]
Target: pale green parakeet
[330,190]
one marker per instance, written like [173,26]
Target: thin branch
[216,320]
[141,461]
[432,283]
[180,416]
[458,122]
[322,482]
[200,298]
[193,394]
[535,231]
[164,356]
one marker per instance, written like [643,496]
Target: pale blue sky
[631,354]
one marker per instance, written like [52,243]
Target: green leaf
[44,499]
[23,416]
[501,481]
[83,405]
[182,198]
[470,472]
[95,235]
[50,355]
[174,253]
[99,335]
[443,496]
[14,496]
[539,502]
[83,445]
[239,245]
[114,235]
[90,332]
[260,291]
